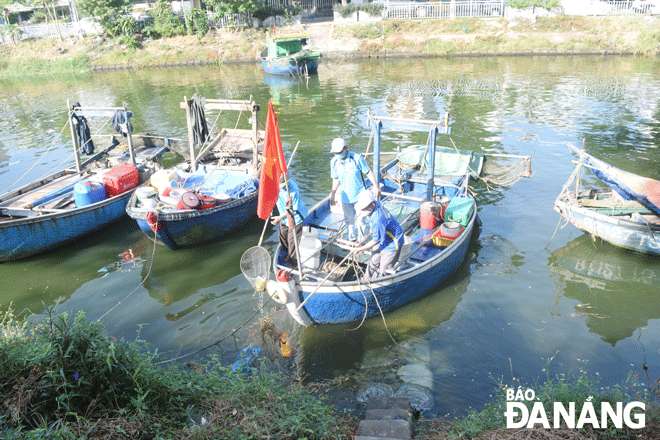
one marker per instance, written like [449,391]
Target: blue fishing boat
[328,291]
[209,195]
[627,214]
[290,55]
[66,205]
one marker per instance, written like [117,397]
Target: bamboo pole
[263,232]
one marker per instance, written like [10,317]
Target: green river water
[530,288]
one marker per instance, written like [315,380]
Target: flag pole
[293,220]
[263,232]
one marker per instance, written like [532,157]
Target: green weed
[65,378]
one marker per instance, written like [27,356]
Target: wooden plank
[225,104]
[39,193]
[402,197]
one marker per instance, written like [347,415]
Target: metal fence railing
[67,29]
[465,8]
[319,8]
[228,20]
[627,7]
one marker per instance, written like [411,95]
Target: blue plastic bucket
[87,192]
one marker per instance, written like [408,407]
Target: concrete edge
[373,55]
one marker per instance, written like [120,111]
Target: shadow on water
[64,270]
[374,358]
[617,289]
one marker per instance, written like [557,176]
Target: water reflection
[617,290]
[497,312]
[41,279]
[392,355]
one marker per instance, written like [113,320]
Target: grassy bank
[578,389]
[563,34]
[64,378]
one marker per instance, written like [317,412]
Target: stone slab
[393,429]
[362,437]
[387,414]
[389,403]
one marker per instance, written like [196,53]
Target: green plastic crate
[459,210]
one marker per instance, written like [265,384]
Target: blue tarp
[245,358]
[243,189]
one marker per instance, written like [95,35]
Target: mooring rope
[153,253]
[359,273]
[232,333]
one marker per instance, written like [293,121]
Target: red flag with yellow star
[273,165]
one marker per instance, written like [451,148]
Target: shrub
[547,4]
[126,26]
[373,9]
[65,378]
[197,22]
[130,42]
[165,24]
[347,10]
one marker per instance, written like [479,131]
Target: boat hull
[32,236]
[337,303]
[627,234]
[290,67]
[192,227]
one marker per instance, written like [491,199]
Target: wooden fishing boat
[626,215]
[327,293]
[66,205]
[209,195]
[290,54]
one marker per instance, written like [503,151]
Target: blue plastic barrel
[87,192]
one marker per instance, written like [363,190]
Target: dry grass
[439,37]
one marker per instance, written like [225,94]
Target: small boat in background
[290,55]
[212,193]
[66,205]
[627,214]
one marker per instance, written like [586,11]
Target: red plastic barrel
[429,215]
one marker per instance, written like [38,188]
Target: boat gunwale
[186,213]
[358,285]
[569,204]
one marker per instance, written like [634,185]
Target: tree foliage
[165,24]
[105,11]
[244,7]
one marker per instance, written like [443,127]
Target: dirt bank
[457,37]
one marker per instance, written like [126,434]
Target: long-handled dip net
[255,265]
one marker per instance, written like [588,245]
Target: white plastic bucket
[145,192]
[148,204]
[310,252]
[337,207]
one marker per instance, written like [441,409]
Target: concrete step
[387,414]
[385,429]
[402,403]
[362,437]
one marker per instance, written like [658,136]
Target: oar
[58,193]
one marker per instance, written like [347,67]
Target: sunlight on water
[530,286]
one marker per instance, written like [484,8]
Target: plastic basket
[459,210]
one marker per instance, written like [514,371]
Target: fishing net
[505,170]
[255,265]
